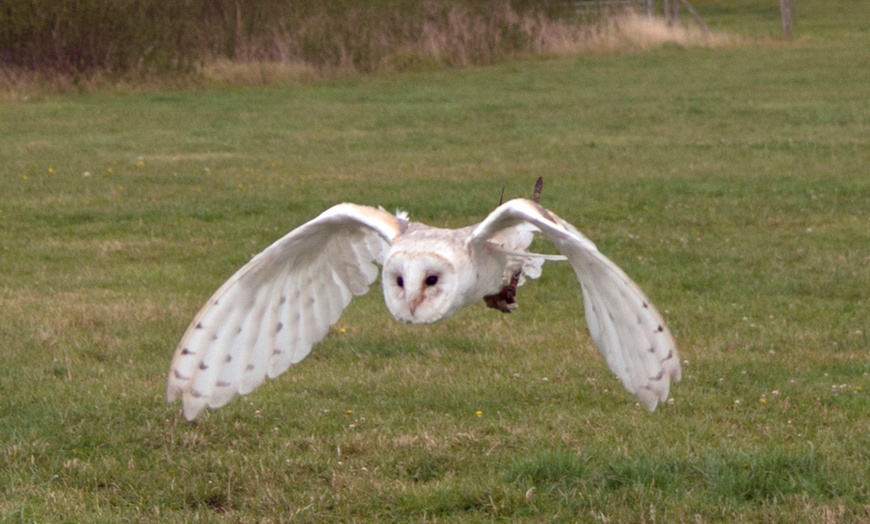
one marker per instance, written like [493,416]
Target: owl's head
[419,287]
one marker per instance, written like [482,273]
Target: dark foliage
[72,37]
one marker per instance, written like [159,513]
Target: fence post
[672,12]
[649,8]
[697,17]
[785,10]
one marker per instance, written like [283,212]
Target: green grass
[732,184]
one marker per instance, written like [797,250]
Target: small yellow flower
[479,413]
[349,412]
[342,330]
[763,400]
[50,170]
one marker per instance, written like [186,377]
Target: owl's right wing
[625,326]
[270,313]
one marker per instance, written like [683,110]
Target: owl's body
[274,309]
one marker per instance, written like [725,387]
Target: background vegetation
[731,183]
[83,44]
[154,36]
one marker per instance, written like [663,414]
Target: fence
[671,8]
[585,7]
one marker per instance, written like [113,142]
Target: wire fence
[586,7]
[591,8]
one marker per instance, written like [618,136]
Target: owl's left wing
[268,315]
[625,326]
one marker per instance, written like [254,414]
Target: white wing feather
[624,325]
[269,314]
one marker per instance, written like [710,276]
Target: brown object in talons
[505,300]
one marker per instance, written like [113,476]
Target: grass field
[731,184]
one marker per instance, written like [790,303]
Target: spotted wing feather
[624,325]
[269,314]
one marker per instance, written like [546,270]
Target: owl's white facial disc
[419,287]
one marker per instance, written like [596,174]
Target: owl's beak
[415,303]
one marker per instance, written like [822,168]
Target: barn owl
[270,313]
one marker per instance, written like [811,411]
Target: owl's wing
[625,326]
[267,316]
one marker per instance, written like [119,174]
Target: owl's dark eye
[431,280]
[400,281]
